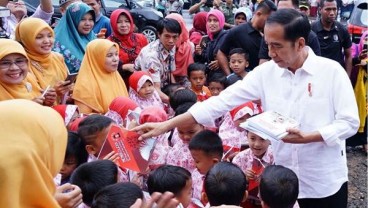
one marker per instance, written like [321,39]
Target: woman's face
[112,60]
[123,25]
[213,24]
[13,69]
[44,42]
[86,24]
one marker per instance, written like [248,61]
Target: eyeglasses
[19,62]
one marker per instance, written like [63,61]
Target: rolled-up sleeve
[39,13]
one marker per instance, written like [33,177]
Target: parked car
[358,22]
[145,18]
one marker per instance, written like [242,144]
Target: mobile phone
[203,41]
[71,78]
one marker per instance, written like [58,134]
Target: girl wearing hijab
[73,33]
[215,30]
[184,52]
[142,90]
[31,155]
[231,134]
[199,28]
[37,38]
[120,108]
[15,80]
[98,81]
[130,44]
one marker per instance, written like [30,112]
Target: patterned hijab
[28,88]
[96,87]
[48,68]
[68,41]
[32,151]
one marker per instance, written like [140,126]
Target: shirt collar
[320,28]
[165,53]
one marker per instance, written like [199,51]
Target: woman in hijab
[32,153]
[199,28]
[130,43]
[215,30]
[15,80]
[184,52]
[73,33]
[37,38]
[98,82]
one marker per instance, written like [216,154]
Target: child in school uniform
[93,130]
[252,161]
[233,137]
[178,98]
[174,179]
[93,176]
[75,155]
[197,78]
[159,154]
[119,110]
[68,112]
[206,150]
[179,154]
[142,90]
[225,184]
[238,64]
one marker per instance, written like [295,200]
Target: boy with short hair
[216,84]
[102,27]
[206,150]
[93,176]
[252,162]
[173,179]
[279,187]
[225,184]
[238,64]
[197,78]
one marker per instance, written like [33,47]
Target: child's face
[146,90]
[241,120]
[197,79]
[238,63]
[185,195]
[186,132]
[257,145]
[240,18]
[215,88]
[70,164]
[100,139]
[203,161]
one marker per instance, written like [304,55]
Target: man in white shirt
[314,90]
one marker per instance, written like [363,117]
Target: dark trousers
[338,200]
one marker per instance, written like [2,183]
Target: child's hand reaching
[112,156]
[250,174]
[68,196]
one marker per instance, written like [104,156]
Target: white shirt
[331,110]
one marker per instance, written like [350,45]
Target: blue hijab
[68,41]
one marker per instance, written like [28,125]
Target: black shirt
[313,43]
[246,37]
[332,42]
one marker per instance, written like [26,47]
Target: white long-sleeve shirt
[320,96]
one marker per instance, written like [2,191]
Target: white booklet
[269,125]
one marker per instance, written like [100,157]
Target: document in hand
[269,125]
[133,154]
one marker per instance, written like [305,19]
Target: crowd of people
[64,86]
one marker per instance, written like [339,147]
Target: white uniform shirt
[320,96]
